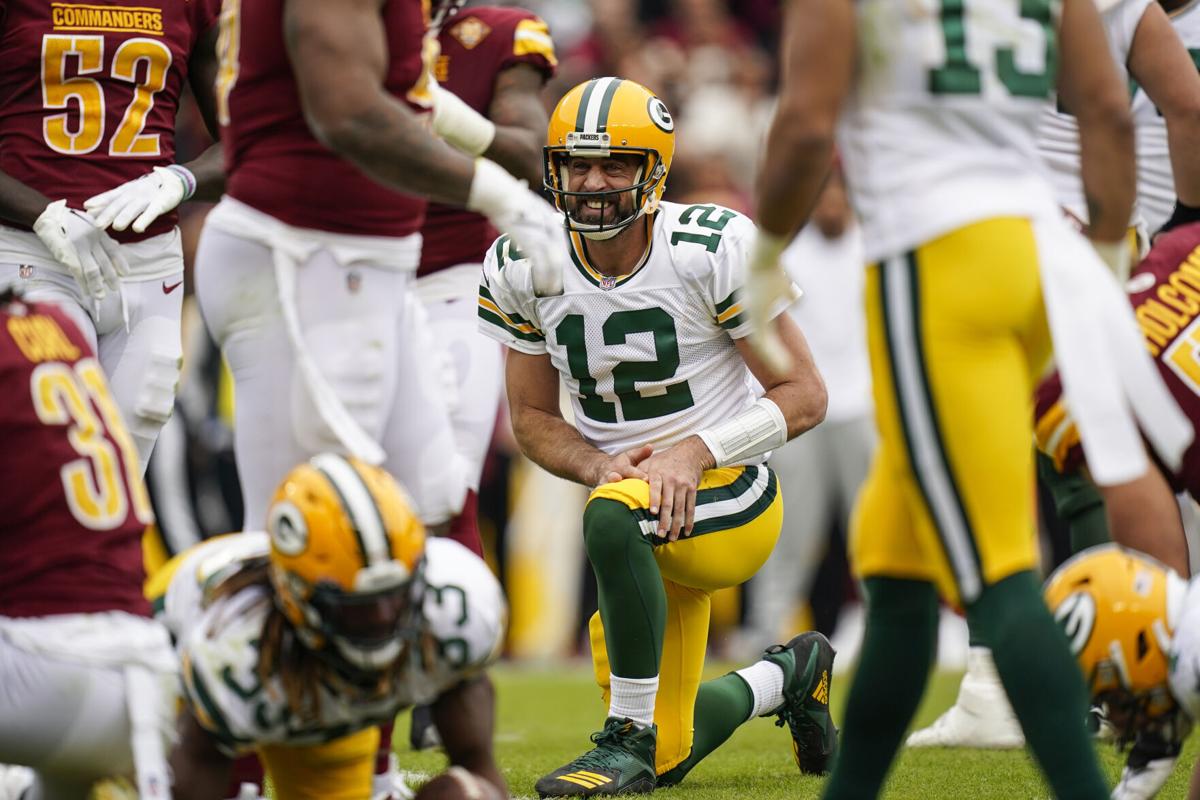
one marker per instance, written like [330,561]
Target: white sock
[633,698]
[765,680]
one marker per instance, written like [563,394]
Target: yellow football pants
[957,336]
[736,528]
[339,770]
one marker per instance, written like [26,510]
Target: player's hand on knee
[139,202]
[674,477]
[91,255]
[623,465]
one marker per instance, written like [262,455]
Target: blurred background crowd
[714,64]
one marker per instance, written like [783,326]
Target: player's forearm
[517,151]
[798,156]
[802,403]
[389,144]
[209,171]
[20,203]
[548,441]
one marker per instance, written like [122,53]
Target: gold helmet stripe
[359,506]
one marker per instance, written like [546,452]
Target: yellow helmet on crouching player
[346,561]
[603,117]
[1118,608]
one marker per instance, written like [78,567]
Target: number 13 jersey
[940,130]
[89,91]
[649,357]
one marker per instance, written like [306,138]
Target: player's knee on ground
[609,530]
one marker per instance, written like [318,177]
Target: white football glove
[535,225]
[459,124]
[142,200]
[87,251]
[1144,782]
[767,285]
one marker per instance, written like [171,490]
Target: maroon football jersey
[70,484]
[476,46]
[89,91]
[1165,293]
[272,160]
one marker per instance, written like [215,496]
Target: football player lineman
[1134,627]
[648,336]
[974,270]
[297,641]
[304,269]
[89,94]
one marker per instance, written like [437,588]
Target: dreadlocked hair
[302,670]
[279,651]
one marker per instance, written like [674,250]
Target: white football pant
[364,331]
[450,298]
[64,703]
[135,334]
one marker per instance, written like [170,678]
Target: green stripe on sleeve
[496,320]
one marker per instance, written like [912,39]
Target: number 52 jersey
[649,357]
[89,90]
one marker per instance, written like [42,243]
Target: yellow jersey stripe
[523,327]
[729,313]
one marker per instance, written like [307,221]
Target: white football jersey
[464,611]
[939,131]
[1058,131]
[1156,182]
[648,358]
[1185,651]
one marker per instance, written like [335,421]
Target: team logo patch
[353,281]
[289,531]
[470,32]
[659,115]
[607,282]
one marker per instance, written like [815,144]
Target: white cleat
[980,718]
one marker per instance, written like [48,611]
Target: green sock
[1042,681]
[1077,502]
[722,705]
[898,648]
[633,603]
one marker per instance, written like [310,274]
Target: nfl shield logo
[607,282]
[25,271]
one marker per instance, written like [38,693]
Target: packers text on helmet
[602,118]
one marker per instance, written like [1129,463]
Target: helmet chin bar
[644,201]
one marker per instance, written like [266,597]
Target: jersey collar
[579,257]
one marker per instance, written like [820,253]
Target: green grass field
[545,717]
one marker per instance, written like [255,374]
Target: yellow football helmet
[1118,608]
[346,561]
[603,117]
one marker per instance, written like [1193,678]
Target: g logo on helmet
[288,530]
[1077,616]
[659,115]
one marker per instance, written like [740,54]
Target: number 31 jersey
[939,132]
[649,357]
[89,91]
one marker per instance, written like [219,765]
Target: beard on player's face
[602,179]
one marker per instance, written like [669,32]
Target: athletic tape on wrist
[759,429]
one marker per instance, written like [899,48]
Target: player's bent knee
[609,527]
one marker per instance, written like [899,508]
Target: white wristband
[759,429]
[492,189]
[459,124]
[184,174]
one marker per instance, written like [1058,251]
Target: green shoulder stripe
[733,322]
[210,711]
[495,319]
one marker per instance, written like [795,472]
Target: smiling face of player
[602,174]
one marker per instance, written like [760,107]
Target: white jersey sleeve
[1185,654]
[183,601]
[507,312]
